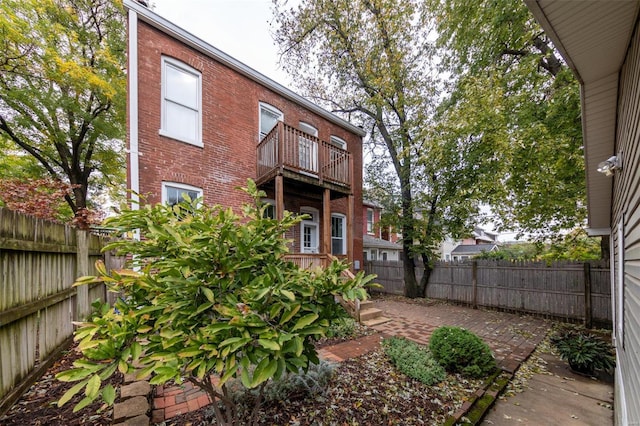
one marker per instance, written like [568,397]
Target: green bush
[291,386]
[413,360]
[584,352]
[460,351]
[342,327]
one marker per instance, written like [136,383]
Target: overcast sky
[240,28]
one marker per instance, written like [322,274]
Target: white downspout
[134,169]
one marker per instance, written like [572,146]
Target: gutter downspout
[134,168]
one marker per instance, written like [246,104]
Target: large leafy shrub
[460,351]
[207,292]
[585,352]
[413,360]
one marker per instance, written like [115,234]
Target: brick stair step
[369,313]
[376,321]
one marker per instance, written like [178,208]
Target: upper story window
[269,117]
[308,128]
[369,221]
[173,193]
[181,114]
[340,143]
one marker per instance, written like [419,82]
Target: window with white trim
[181,113]
[369,221]
[269,117]
[338,234]
[174,193]
[340,143]
[270,208]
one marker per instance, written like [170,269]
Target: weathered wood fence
[39,261]
[572,291]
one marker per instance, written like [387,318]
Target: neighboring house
[378,243]
[600,41]
[467,251]
[201,123]
[479,241]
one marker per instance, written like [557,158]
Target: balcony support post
[326,221]
[279,197]
[350,228]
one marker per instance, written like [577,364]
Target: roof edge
[147,15]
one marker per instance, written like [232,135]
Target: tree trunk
[424,281]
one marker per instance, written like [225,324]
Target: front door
[309,237]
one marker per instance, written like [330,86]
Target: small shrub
[585,352]
[413,360]
[460,351]
[291,386]
[342,327]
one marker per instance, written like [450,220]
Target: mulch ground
[38,404]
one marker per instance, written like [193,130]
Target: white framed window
[270,208]
[340,143]
[269,117]
[369,221]
[181,112]
[173,192]
[338,234]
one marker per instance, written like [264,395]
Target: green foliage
[290,386]
[342,327]
[63,92]
[585,352]
[510,89]
[576,245]
[460,351]
[208,292]
[413,360]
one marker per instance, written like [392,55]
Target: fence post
[82,269]
[588,323]
[474,282]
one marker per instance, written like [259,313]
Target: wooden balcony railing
[287,148]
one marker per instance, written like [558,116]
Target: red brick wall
[230,127]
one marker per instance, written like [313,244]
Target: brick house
[200,122]
[378,242]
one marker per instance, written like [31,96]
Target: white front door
[309,237]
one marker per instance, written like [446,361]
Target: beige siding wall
[626,233]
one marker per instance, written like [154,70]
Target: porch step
[376,321]
[369,314]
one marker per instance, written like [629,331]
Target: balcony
[300,156]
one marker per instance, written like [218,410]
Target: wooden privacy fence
[39,261]
[565,290]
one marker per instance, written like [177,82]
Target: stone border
[133,406]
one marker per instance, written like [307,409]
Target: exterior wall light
[610,165]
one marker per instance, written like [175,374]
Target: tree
[371,60]
[209,292]
[62,89]
[42,198]
[497,47]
